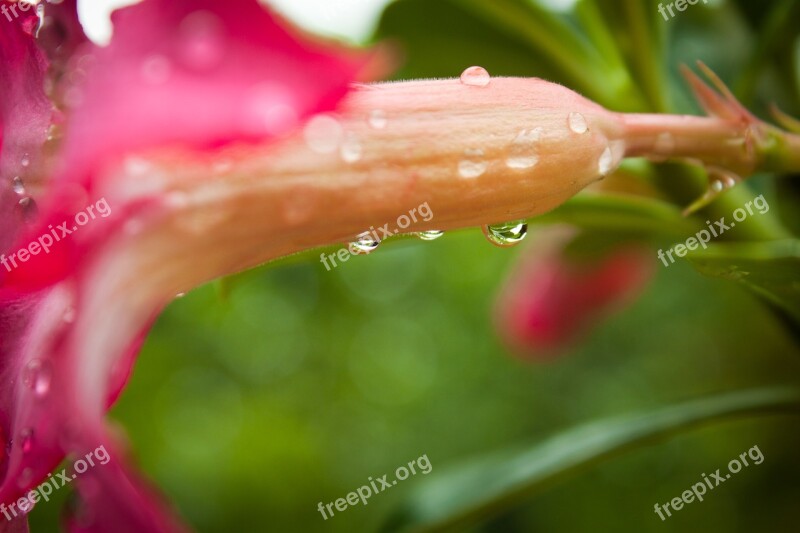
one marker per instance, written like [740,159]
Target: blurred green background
[255,399]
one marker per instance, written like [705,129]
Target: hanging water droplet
[365,242]
[28,209]
[377,119]
[577,123]
[507,234]
[431,235]
[522,154]
[474,165]
[323,134]
[37,376]
[351,149]
[17,186]
[475,77]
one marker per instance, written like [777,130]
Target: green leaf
[620,214]
[768,268]
[480,489]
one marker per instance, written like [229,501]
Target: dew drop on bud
[473,165]
[577,123]
[605,162]
[522,154]
[365,243]
[37,377]
[323,134]
[476,77]
[351,150]
[507,234]
[377,119]
[431,235]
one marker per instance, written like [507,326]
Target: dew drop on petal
[25,160]
[26,440]
[507,234]
[37,376]
[377,119]
[365,242]
[351,150]
[28,209]
[17,186]
[476,77]
[323,134]
[431,235]
[202,40]
[472,165]
[577,123]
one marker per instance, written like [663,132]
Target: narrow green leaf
[469,494]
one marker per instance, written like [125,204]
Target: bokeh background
[259,396]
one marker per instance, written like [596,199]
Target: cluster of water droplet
[26,206]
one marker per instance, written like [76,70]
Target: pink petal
[191,73]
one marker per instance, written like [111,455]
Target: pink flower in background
[196,74]
[551,300]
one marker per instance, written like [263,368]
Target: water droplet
[431,235]
[69,315]
[507,234]
[522,154]
[577,123]
[473,166]
[37,376]
[351,149]
[717,186]
[475,77]
[28,209]
[180,295]
[26,160]
[365,243]
[606,162]
[17,185]
[377,119]
[26,440]
[323,134]
[202,44]
[156,69]
[665,144]
[40,17]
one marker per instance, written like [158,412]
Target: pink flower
[551,299]
[198,75]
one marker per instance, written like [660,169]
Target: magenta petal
[198,73]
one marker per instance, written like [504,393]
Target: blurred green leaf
[486,487]
[768,268]
[507,37]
